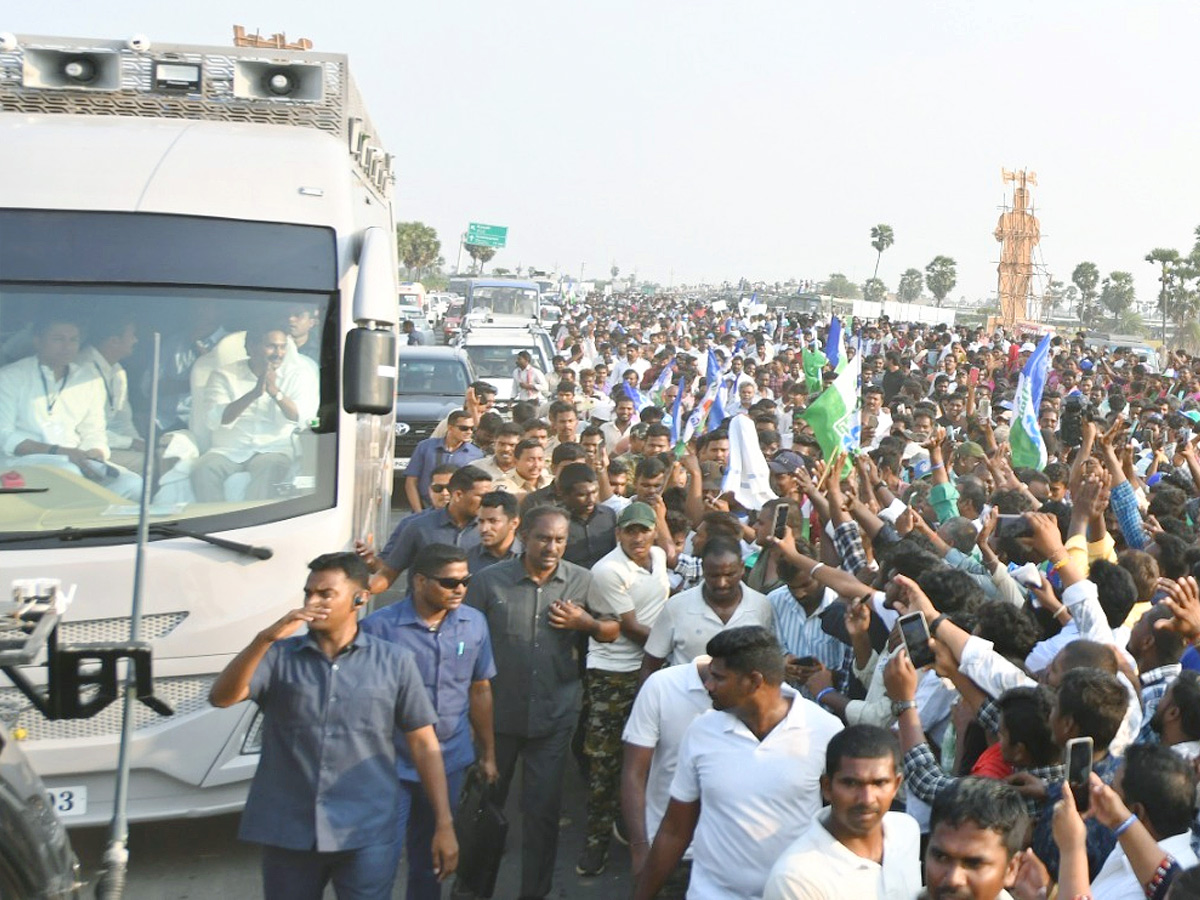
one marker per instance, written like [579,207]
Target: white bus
[198,192]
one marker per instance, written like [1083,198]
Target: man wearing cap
[783,466]
[630,584]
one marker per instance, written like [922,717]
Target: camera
[1074,409]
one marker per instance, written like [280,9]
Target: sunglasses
[439,488]
[452,583]
[465,427]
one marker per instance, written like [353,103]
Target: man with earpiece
[453,652]
[335,700]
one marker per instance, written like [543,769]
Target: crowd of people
[788,668]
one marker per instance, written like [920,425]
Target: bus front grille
[184,694]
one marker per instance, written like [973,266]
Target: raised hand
[1183,599]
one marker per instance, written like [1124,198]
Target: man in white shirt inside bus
[255,407]
[52,410]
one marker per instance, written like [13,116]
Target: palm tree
[417,245]
[882,237]
[911,283]
[1085,277]
[940,277]
[1167,260]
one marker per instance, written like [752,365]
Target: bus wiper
[167,529]
[172,530]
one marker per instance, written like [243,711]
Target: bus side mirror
[369,360]
[369,371]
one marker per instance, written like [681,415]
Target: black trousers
[543,764]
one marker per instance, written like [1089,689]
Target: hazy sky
[721,139]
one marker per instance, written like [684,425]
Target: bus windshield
[246,413]
[506,301]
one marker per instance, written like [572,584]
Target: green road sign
[487,235]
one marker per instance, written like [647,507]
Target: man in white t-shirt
[630,584]
[856,847]
[748,779]
[720,601]
[666,705]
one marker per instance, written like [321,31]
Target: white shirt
[262,427]
[819,867]
[37,406]
[529,383]
[117,411]
[1116,881]
[612,434]
[755,797]
[666,705]
[683,628]
[618,586]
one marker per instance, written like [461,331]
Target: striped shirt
[801,633]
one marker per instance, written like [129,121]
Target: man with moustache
[449,643]
[855,847]
[498,523]
[535,609]
[631,584]
[325,795]
[255,406]
[748,777]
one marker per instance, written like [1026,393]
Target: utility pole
[462,239]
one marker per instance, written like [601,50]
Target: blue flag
[833,344]
[639,398]
[677,415]
[1025,437]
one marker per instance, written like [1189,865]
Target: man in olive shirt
[534,605]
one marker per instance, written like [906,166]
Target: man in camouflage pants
[629,584]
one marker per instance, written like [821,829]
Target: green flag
[814,362]
[834,415]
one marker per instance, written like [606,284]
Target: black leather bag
[482,831]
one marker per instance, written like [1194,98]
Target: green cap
[638,514]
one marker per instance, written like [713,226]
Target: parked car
[431,382]
[493,354]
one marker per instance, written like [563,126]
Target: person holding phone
[1149,807]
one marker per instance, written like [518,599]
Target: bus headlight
[252,742]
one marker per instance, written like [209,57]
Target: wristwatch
[899,706]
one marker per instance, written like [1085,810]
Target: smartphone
[781,517]
[807,661]
[1013,526]
[1078,760]
[973,375]
[915,631]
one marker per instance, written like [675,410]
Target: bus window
[246,413]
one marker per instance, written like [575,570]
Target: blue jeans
[367,873]
[416,834]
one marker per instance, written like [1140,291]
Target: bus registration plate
[68,801]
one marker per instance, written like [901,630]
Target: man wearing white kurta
[748,779]
[52,411]
[255,408]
